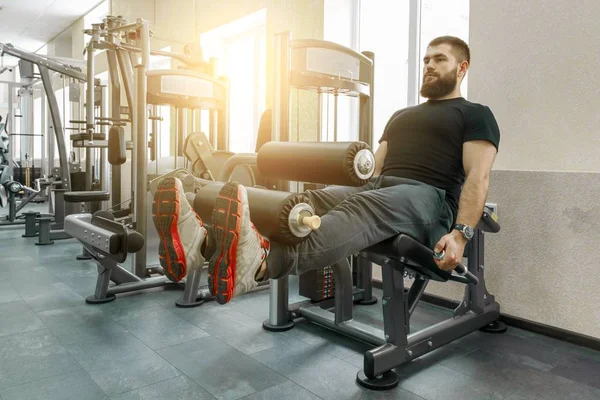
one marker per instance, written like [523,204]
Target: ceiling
[30,24]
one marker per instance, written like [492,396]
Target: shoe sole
[165,214]
[227,221]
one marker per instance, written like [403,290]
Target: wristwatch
[466,231]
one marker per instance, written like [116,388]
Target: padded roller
[337,163]
[274,213]
[84,197]
[117,149]
[86,136]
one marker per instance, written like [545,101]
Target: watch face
[469,232]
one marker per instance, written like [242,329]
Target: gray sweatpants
[354,218]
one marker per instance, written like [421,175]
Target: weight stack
[317,285]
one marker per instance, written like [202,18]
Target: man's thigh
[324,200]
[415,209]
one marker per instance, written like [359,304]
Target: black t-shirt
[425,142]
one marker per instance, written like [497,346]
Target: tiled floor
[54,346]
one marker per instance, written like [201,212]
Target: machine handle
[459,269]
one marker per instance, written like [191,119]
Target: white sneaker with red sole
[180,229]
[239,250]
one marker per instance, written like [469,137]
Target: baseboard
[520,323]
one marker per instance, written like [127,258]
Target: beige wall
[532,63]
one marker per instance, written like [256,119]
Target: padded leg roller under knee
[385,381]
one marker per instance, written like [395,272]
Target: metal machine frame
[396,345]
[129,70]
[45,65]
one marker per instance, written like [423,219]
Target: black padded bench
[413,255]
[86,136]
[86,196]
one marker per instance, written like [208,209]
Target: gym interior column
[181,129]
[113,72]
[89,106]
[141,148]
[103,151]
[281,95]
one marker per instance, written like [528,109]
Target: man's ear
[463,68]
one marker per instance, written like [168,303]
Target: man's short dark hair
[459,48]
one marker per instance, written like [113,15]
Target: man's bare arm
[478,158]
[380,157]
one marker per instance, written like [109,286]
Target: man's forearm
[472,200]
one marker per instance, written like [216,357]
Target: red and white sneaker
[239,248]
[180,229]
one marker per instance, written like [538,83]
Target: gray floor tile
[219,368]
[119,377]
[438,382]
[122,313]
[328,341]
[519,379]
[84,287]
[7,293]
[319,372]
[562,348]
[68,267]
[521,350]
[581,369]
[287,391]
[127,301]
[118,348]
[254,305]
[166,298]
[80,324]
[31,356]
[244,333]
[158,327]
[179,388]
[16,317]
[55,295]
[72,386]
[28,280]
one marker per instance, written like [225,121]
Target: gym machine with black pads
[281,216]
[330,68]
[352,164]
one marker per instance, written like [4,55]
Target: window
[164,126]
[341,27]
[240,47]
[394,30]
[440,18]
[384,30]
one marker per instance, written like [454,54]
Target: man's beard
[439,87]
